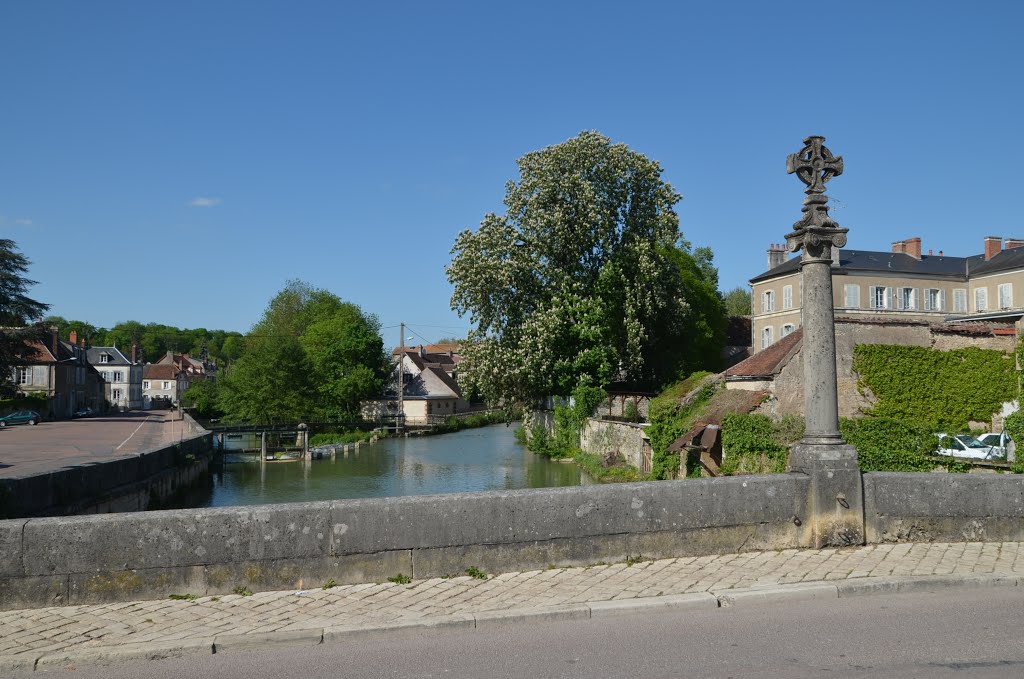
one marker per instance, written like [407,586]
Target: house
[162,383]
[193,368]
[123,375]
[430,390]
[900,284]
[60,371]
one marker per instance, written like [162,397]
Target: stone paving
[34,632]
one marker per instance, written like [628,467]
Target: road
[953,633]
[26,450]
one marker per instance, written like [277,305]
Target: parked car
[999,441]
[82,412]
[20,417]
[964,445]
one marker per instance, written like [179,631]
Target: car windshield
[970,441]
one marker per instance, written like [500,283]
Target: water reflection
[488,458]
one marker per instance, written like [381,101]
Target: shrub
[890,445]
[670,419]
[751,444]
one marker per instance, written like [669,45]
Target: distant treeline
[155,339]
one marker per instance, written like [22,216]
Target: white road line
[144,423]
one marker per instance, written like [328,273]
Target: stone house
[430,390]
[162,382]
[123,375]
[903,284]
[60,370]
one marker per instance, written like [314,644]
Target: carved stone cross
[814,164]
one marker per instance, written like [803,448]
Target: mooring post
[836,508]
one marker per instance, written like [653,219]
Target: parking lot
[27,449]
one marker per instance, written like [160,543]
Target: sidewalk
[38,638]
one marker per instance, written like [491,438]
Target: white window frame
[104,358]
[980,299]
[934,299]
[115,394]
[767,301]
[165,385]
[960,300]
[24,376]
[787,297]
[145,384]
[786,329]
[906,299]
[766,337]
[1005,290]
[886,297]
[855,289]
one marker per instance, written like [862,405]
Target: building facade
[123,376]
[60,371]
[900,284]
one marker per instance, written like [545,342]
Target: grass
[476,573]
[400,579]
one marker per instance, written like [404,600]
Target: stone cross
[816,232]
[835,514]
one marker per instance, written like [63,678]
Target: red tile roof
[768,362]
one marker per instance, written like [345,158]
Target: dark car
[82,412]
[20,417]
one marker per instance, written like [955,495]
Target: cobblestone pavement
[34,632]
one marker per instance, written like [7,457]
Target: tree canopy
[17,310]
[311,356]
[585,279]
[737,301]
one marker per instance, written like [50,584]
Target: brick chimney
[776,255]
[1014,243]
[54,340]
[73,337]
[993,246]
[913,247]
[899,247]
[135,353]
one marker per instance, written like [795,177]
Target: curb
[752,596]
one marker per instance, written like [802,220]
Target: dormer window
[104,358]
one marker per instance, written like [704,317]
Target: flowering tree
[581,281]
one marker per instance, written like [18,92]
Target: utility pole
[400,417]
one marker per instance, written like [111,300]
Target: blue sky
[178,162]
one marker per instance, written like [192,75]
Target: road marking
[144,423]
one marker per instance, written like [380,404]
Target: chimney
[423,351]
[929,252]
[913,247]
[776,256]
[993,246]
[1014,243]
[135,352]
[54,340]
[73,337]
[899,247]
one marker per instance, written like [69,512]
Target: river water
[488,458]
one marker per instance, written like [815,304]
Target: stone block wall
[601,437]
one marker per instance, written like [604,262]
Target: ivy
[942,389]
[564,441]
[671,418]
[753,444]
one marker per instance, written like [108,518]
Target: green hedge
[753,444]
[890,445]
[943,389]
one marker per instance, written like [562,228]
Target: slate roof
[898,262]
[1005,260]
[116,357]
[767,362]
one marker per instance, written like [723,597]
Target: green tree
[576,283]
[737,301]
[17,310]
[202,396]
[311,356]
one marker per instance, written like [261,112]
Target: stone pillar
[835,510]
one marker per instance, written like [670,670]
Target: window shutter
[888,298]
[942,300]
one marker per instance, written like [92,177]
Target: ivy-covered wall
[942,389]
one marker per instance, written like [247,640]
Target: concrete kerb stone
[917,583]
[106,655]
[359,632]
[18,663]
[676,602]
[777,594]
[225,643]
[540,614]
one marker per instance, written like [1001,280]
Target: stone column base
[836,505]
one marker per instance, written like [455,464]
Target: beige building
[901,284]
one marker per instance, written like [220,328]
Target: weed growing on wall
[889,445]
[569,421]
[943,389]
[670,419]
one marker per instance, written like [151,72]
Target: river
[487,458]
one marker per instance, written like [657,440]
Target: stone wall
[600,437]
[788,389]
[112,557]
[124,484]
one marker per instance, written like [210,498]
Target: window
[104,358]
[115,394]
[787,297]
[766,337]
[768,301]
[907,299]
[786,330]
[981,299]
[165,385]
[934,299]
[24,375]
[1006,295]
[852,296]
[117,375]
[145,384]
[879,297]
[960,300]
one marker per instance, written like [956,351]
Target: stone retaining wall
[72,560]
[600,437]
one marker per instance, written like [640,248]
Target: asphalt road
[954,633]
[25,449]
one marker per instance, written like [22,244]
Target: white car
[965,445]
[998,441]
